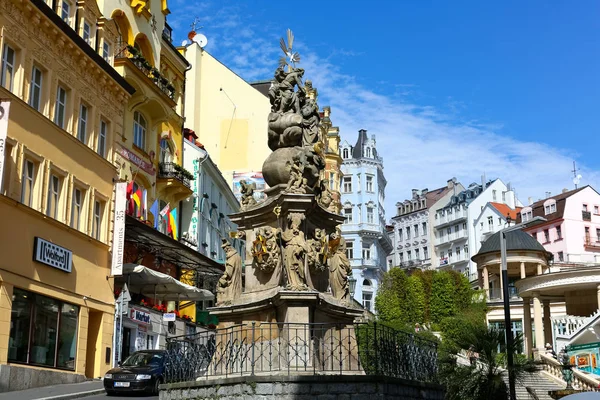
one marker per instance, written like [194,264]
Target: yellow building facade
[333,160]
[66,109]
[229,116]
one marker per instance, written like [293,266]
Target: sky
[450,89]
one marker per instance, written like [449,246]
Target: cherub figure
[247,191]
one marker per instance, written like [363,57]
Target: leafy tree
[443,296]
[391,297]
[416,298]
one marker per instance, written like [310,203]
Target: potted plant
[176,312]
[187,318]
[143,303]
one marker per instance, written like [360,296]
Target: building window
[28,183]
[166,155]
[82,126]
[464,226]
[162,222]
[417,255]
[596,210]
[35,89]
[76,206]
[425,254]
[547,235]
[60,107]
[8,67]
[494,195]
[102,138]
[558,232]
[54,187]
[347,184]
[369,183]
[491,222]
[367,300]
[366,251]
[504,197]
[106,51]
[416,228]
[561,256]
[368,152]
[369,215]
[139,130]
[449,253]
[401,255]
[458,253]
[399,233]
[409,255]
[499,221]
[43,331]
[348,215]
[585,207]
[408,233]
[424,226]
[85,33]
[466,249]
[350,250]
[98,212]
[65,11]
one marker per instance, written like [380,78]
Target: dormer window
[549,206]
[345,153]
[86,33]
[526,214]
[368,152]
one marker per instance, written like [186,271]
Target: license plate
[121,384]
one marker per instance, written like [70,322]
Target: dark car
[140,372]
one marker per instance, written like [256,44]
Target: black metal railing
[289,348]
[586,215]
[172,170]
[152,73]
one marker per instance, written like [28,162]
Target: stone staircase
[536,383]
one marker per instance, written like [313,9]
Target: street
[122,396]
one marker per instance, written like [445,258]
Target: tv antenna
[576,177]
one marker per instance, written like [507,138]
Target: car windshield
[142,359]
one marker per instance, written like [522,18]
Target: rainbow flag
[172,223]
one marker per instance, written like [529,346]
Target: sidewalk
[57,392]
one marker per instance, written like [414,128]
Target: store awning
[154,284]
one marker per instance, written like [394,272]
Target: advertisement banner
[585,357]
[255,178]
[119,229]
[4,108]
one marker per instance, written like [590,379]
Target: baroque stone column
[527,325]
[486,281]
[538,321]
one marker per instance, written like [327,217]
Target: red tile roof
[505,210]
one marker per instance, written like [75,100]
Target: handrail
[581,380]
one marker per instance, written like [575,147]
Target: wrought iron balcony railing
[172,170]
[296,348]
[152,73]
[586,215]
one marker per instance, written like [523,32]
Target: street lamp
[352,285]
[567,368]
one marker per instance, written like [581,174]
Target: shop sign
[169,317]
[139,316]
[585,357]
[136,160]
[50,254]
[4,107]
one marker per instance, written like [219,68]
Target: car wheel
[157,382]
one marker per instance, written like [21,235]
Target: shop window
[43,331]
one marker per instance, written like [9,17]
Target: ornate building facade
[362,197]
[66,112]
[333,159]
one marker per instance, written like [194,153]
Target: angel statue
[247,191]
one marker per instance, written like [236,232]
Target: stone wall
[345,387]
[13,377]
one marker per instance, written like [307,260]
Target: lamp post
[567,368]
[352,285]
[507,320]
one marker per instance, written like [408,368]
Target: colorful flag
[172,223]
[137,198]
[165,210]
[154,211]
[129,189]
[145,204]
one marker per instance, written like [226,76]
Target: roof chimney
[414,193]
[424,192]
[451,183]
[530,200]
[565,190]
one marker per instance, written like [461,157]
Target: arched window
[367,283]
[139,130]
[162,221]
[345,153]
[368,152]
[166,154]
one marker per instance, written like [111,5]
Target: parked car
[142,371]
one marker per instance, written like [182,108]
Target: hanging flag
[165,210]
[4,108]
[154,211]
[129,189]
[172,222]
[137,198]
[145,204]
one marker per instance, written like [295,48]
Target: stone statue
[229,286]
[294,253]
[339,267]
[324,196]
[290,100]
[266,250]
[310,122]
[318,251]
[297,182]
[247,191]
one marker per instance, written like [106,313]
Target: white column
[547,323]
[527,325]
[538,321]
[539,269]
[486,281]
[523,274]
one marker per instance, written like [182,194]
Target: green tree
[391,297]
[442,299]
[415,299]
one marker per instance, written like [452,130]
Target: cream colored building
[333,159]
[228,114]
[66,109]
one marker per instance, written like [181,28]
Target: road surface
[122,397]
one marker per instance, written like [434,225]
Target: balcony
[132,55]
[495,294]
[462,234]
[172,170]
[173,182]
[447,218]
[586,215]
[591,242]
[446,262]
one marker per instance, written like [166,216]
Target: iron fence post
[376,348]
[252,362]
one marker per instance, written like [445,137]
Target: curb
[74,395]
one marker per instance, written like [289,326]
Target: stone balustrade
[581,381]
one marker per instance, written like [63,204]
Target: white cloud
[422,146]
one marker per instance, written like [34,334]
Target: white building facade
[362,198]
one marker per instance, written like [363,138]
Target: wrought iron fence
[307,349]
[172,170]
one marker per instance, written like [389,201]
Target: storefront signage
[135,159]
[585,357]
[169,317]
[116,268]
[4,107]
[139,316]
[52,255]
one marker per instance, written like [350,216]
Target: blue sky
[510,89]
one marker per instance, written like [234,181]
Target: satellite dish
[201,40]
[577,179]
[184,43]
